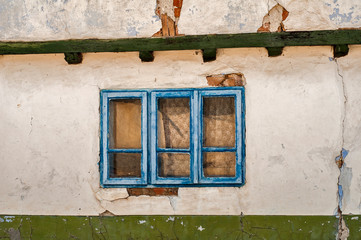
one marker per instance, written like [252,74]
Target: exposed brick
[153,191]
[227,80]
[264,27]
[177,12]
[238,78]
[169,24]
[284,14]
[177,3]
[215,80]
[273,20]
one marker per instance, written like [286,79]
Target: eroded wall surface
[69,19]
[302,108]
[296,122]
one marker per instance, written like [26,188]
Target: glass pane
[125,123]
[173,122]
[219,124]
[219,164]
[125,164]
[173,165]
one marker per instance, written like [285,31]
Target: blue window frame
[207,150]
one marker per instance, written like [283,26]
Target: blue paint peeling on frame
[155,95]
[149,169]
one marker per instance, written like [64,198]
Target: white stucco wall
[66,19]
[294,114]
[297,119]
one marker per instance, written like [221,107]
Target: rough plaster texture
[352,137]
[233,16]
[295,115]
[65,19]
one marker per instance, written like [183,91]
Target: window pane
[173,165]
[219,164]
[125,123]
[219,124]
[173,122]
[125,165]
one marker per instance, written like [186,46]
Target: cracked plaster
[293,131]
[352,128]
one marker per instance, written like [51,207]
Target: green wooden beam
[209,54]
[278,39]
[146,56]
[73,58]
[340,50]
[274,51]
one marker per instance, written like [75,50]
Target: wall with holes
[302,108]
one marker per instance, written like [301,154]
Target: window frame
[149,171]
[106,97]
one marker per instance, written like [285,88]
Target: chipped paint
[228,227]
[273,20]
[200,228]
[9,219]
[340,18]
[300,114]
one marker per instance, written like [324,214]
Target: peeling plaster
[49,20]
[273,20]
[109,194]
[166,7]
[344,14]
[345,182]
[314,121]
[345,176]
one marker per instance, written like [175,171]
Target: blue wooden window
[173,137]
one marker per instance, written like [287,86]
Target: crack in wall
[342,231]
[344,101]
[173,203]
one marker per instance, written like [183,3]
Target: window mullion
[153,138]
[195,136]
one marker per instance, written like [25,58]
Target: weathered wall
[170,227]
[294,119]
[302,109]
[66,19]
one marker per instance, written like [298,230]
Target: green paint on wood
[277,39]
[146,56]
[73,58]
[175,227]
[340,50]
[274,51]
[209,54]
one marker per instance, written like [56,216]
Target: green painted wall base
[175,227]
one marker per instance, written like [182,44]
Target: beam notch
[73,57]
[209,54]
[340,50]
[274,51]
[146,56]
